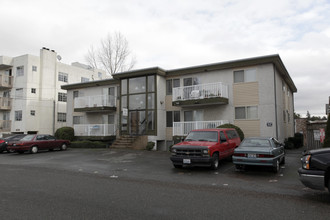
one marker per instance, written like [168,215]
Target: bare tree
[113,55]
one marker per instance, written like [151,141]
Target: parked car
[315,170]
[11,139]
[259,151]
[205,147]
[35,142]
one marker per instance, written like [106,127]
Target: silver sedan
[259,151]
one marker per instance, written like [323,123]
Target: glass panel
[169,87]
[124,86]
[169,121]
[124,123]
[112,91]
[176,83]
[188,116]
[151,120]
[137,122]
[250,75]
[187,82]
[176,116]
[137,101]
[252,112]
[151,83]
[151,101]
[124,102]
[111,119]
[240,113]
[238,76]
[137,85]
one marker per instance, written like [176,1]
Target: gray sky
[179,33]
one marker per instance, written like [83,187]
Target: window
[63,77]
[170,84]
[84,79]
[33,90]
[77,120]
[75,94]
[245,76]
[249,112]
[99,74]
[61,117]
[34,68]
[190,81]
[18,115]
[19,93]
[33,112]
[62,97]
[20,71]
[172,116]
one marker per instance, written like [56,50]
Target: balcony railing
[95,130]
[6,81]
[5,103]
[183,128]
[202,91]
[95,101]
[5,125]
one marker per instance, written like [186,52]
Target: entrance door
[137,121]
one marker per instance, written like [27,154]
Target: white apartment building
[159,105]
[31,98]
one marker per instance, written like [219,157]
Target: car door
[41,142]
[224,145]
[51,142]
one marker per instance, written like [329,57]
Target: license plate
[186,161]
[252,155]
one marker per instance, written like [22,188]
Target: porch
[183,128]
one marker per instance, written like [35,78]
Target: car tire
[34,150]
[215,161]
[276,168]
[177,166]
[63,147]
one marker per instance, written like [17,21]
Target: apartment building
[31,98]
[256,94]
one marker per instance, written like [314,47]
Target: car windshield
[255,143]
[27,138]
[202,136]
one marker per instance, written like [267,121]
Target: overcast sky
[180,33]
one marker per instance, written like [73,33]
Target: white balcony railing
[94,130]
[95,101]
[5,103]
[202,91]
[6,81]
[5,125]
[183,128]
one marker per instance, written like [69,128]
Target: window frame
[62,97]
[246,113]
[61,117]
[63,77]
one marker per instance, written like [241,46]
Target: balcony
[5,103]
[183,128]
[99,130]
[6,82]
[5,125]
[96,103]
[203,94]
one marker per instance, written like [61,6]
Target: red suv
[205,147]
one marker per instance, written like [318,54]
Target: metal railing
[202,91]
[5,125]
[6,81]
[95,101]
[183,128]
[94,130]
[5,103]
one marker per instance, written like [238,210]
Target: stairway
[124,141]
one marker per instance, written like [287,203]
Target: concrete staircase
[124,141]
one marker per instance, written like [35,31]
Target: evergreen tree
[326,142]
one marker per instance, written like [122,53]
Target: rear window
[255,143]
[211,136]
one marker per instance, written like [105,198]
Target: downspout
[275,97]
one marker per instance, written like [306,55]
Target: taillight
[239,155]
[265,155]
[1,141]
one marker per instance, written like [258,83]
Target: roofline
[140,72]
[90,84]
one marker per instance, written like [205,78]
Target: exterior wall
[44,80]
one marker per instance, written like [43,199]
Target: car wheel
[63,147]
[177,166]
[34,150]
[276,168]
[215,161]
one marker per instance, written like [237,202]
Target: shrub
[88,144]
[239,131]
[65,133]
[150,145]
[294,142]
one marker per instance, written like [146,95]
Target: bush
[150,145]
[88,144]
[294,142]
[65,133]
[239,131]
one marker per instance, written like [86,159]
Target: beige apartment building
[152,104]
[31,98]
